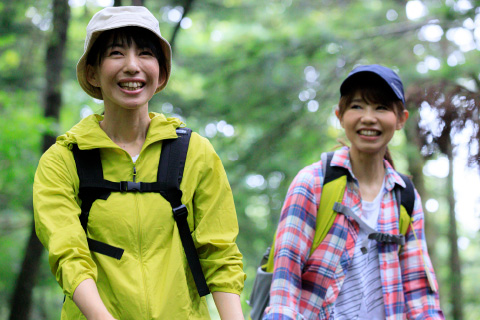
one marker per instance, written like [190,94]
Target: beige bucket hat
[113,18]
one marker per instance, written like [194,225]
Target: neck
[127,128]
[367,168]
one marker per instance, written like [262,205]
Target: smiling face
[127,71]
[370,116]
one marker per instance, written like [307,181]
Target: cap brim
[354,77]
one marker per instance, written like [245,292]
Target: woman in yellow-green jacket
[125,62]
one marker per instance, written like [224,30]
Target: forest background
[260,79]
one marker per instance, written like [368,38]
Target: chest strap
[169,176]
[372,233]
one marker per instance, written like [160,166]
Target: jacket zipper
[140,255]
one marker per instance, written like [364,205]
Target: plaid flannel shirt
[306,287]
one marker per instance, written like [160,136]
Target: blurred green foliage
[260,79]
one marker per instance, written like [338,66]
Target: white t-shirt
[361,296]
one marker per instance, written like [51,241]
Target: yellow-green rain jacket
[152,280]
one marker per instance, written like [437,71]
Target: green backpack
[334,185]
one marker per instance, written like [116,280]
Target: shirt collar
[341,158]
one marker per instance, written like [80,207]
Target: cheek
[348,120]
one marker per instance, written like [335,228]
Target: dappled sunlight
[311,74]
[431,33]
[86,111]
[256,181]
[438,168]
[175,14]
[455,58]
[432,205]
[42,22]
[260,80]
[415,9]
[222,127]
[462,37]
[392,15]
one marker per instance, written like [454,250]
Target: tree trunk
[22,296]
[456,293]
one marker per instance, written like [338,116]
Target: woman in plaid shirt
[349,276]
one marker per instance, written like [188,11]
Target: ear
[402,118]
[337,113]
[162,77]
[91,75]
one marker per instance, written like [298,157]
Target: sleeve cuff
[75,283]
[281,313]
[431,315]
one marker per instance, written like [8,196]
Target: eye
[355,106]
[146,52]
[383,108]
[114,51]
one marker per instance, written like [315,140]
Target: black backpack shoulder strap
[407,194]
[89,165]
[90,175]
[170,173]
[172,164]
[92,187]
[331,173]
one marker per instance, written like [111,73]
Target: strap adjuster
[388,238]
[128,186]
[180,212]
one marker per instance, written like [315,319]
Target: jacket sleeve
[216,225]
[57,224]
[421,301]
[295,235]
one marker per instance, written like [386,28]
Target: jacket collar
[341,158]
[87,134]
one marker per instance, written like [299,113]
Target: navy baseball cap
[386,74]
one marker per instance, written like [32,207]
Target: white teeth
[369,133]
[131,85]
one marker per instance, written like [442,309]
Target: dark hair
[142,37]
[373,90]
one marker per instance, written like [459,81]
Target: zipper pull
[134,173]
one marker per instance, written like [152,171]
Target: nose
[131,64]
[369,116]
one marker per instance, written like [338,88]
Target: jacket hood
[87,134]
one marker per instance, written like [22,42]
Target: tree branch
[399,29]
[186,10]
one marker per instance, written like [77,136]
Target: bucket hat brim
[114,18]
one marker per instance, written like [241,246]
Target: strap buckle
[180,212]
[129,186]
[388,238]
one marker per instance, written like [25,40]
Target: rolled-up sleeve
[421,301]
[216,225]
[57,224]
[295,234]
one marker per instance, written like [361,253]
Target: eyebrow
[358,100]
[116,45]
